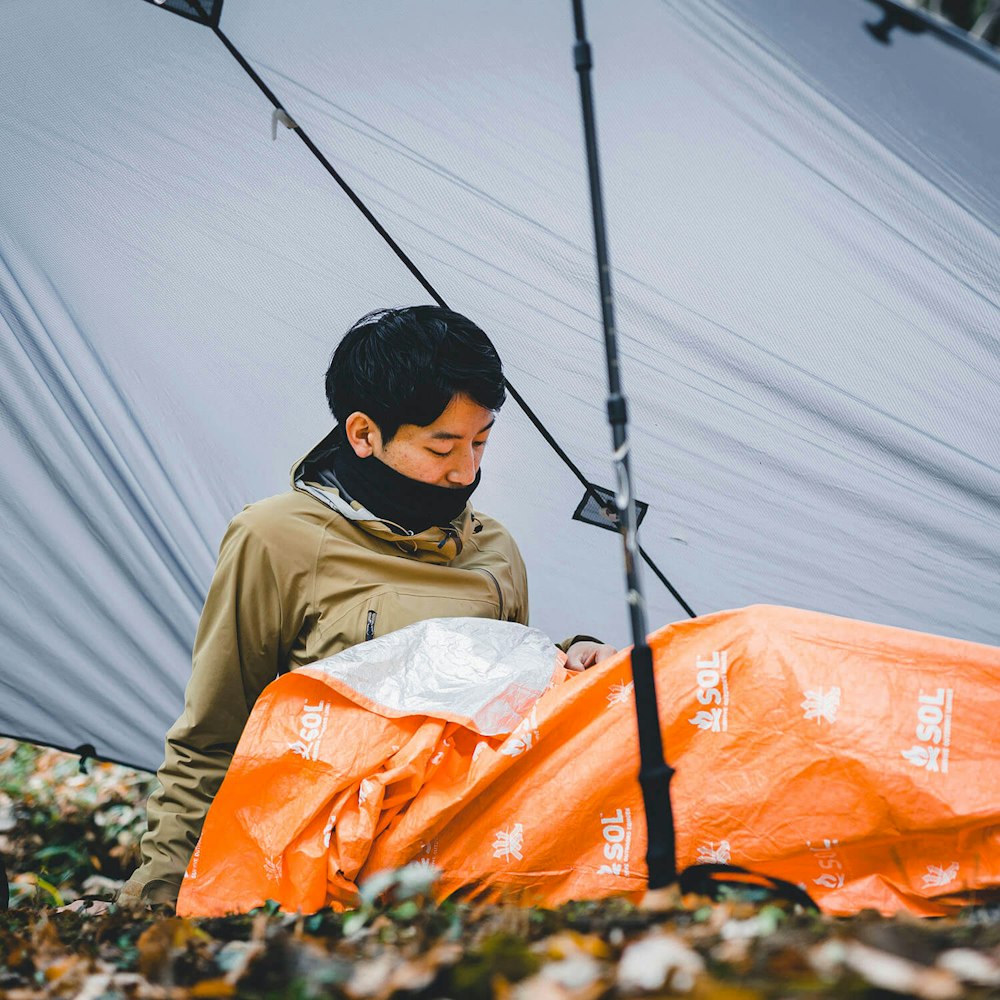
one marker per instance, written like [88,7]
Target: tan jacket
[302,576]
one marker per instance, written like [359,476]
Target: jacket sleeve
[519,574]
[566,643]
[244,636]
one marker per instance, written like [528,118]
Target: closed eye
[445,454]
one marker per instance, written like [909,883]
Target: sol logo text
[616,831]
[312,725]
[713,692]
[933,730]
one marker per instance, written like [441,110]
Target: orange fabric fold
[857,760]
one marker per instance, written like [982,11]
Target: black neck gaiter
[391,496]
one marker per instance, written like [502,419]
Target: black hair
[404,366]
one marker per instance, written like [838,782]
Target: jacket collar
[313,474]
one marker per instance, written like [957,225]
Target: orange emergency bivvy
[859,760]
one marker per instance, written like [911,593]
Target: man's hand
[586,653]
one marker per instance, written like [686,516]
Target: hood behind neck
[314,474]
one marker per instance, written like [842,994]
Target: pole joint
[654,773]
[617,409]
[652,776]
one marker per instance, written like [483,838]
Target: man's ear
[362,433]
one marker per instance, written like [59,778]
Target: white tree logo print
[523,737]
[509,843]
[708,720]
[259,831]
[272,868]
[714,854]
[925,757]
[822,705]
[620,694]
[830,881]
[936,876]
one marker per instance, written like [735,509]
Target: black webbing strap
[329,168]
[589,487]
[714,880]
[666,583]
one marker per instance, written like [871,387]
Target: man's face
[444,453]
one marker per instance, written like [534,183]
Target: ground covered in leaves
[64,834]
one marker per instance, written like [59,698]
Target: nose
[463,471]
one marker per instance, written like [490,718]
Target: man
[376,534]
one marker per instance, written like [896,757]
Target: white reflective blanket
[470,670]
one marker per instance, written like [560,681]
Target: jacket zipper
[370,629]
[499,591]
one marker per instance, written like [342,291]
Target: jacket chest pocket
[399,608]
[361,622]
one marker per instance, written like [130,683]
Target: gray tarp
[804,225]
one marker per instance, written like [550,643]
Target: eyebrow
[445,436]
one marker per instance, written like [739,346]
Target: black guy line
[429,288]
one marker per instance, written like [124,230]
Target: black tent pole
[654,772]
